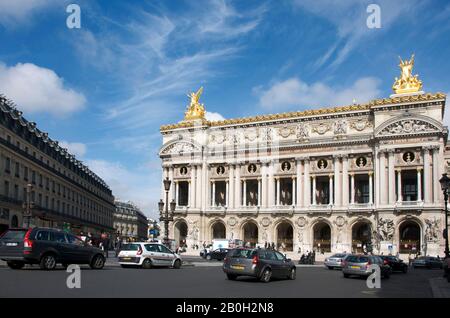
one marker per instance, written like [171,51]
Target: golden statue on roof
[407,83]
[195,110]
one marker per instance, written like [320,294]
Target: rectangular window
[17,170]
[16,192]
[7,165]
[6,189]
[33,177]
[41,178]
[25,173]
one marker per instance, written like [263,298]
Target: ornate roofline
[312,112]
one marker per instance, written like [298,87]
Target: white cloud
[19,11]
[76,148]
[294,93]
[349,18]
[139,186]
[211,116]
[38,89]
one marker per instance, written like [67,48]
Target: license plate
[11,244]
[237,267]
[354,267]
[126,258]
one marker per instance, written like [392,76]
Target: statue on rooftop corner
[407,83]
[195,110]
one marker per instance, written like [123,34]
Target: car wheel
[147,264]
[177,264]
[330,268]
[208,257]
[346,275]
[266,275]
[48,262]
[15,265]
[97,262]
[292,274]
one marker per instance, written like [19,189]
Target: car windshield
[241,253]
[130,247]
[338,255]
[14,235]
[357,259]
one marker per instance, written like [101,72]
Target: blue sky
[104,89]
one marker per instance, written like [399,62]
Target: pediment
[409,125]
[179,148]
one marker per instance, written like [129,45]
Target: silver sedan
[335,261]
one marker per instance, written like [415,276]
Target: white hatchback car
[148,255]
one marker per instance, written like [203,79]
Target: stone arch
[218,230]
[250,232]
[322,233]
[180,232]
[284,235]
[180,147]
[409,236]
[433,125]
[14,221]
[361,235]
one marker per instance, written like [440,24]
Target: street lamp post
[445,184]
[28,206]
[166,217]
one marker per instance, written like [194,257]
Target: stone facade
[65,193]
[336,179]
[130,223]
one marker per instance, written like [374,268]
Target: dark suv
[47,247]
[260,263]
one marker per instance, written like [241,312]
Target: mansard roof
[426,97]
[9,109]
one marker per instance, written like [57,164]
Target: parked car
[205,251]
[427,262]
[335,261]
[358,265]
[260,263]
[47,247]
[148,255]
[219,254]
[395,263]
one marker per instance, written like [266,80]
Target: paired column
[399,186]
[345,180]
[237,190]
[227,192]
[176,192]
[244,201]
[278,190]
[307,185]
[300,184]
[337,182]
[419,184]
[230,188]
[172,185]
[331,189]
[259,191]
[192,187]
[293,191]
[264,194]
[427,190]
[352,188]
[314,201]
[271,186]
[370,188]
[436,184]
[391,176]
[383,184]
[213,194]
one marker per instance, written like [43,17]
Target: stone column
[189,193]
[230,199]
[306,184]
[370,188]
[314,190]
[176,192]
[278,190]
[244,201]
[399,186]
[337,182]
[172,185]
[263,201]
[259,192]
[271,186]
[391,176]
[436,184]
[345,180]
[352,188]
[213,198]
[300,183]
[227,193]
[293,191]
[419,185]
[383,184]
[198,187]
[330,183]
[377,177]
[427,190]
[237,197]
[204,188]
[192,188]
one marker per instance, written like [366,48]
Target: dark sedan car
[218,254]
[47,247]
[260,263]
[395,263]
[427,262]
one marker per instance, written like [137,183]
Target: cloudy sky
[103,90]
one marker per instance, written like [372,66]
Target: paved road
[209,281]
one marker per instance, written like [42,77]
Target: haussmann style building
[129,221]
[350,178]
[35,170]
